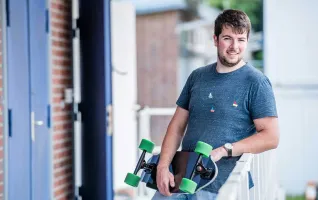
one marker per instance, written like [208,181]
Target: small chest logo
[234,104]
[210,96]
[212,109]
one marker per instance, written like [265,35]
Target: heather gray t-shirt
[222,107]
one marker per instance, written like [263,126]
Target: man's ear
[215,38]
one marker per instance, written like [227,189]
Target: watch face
[228,146]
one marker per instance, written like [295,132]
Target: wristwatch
[228,147]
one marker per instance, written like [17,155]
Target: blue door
[40,111]
[19,141]
[29,146]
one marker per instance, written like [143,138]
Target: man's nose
[234,44]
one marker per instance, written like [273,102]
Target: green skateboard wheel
[188,186]
[203,148]
[132,179]
[146,145]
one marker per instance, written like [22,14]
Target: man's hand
[218,153]
[164,179]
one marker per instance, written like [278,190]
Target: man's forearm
[257,143]
[169,147]
[173,136]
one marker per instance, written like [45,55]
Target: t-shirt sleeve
[262,100]
[184,98]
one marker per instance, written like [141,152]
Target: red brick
[60,6]
[63,135]
[61,25]
[65,44]
[68,161]
[63,189]
[63,35]
[66,179]
[67,108]
[65,63]
[64,153]
[61,53]
[59,127]
[60,16]
[62,81]
[62,72]
[63,172]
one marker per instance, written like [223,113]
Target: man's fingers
[166,189]
[164,180]
[171,180]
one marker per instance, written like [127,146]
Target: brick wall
[157,64]
[1,114]
[61,60]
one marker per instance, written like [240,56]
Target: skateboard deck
[192,171]
[181,167]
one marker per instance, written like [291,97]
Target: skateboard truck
[147,147]
[188,185]
[205,173]
[143,165]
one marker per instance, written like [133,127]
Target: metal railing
[263,171]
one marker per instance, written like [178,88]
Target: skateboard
[192,171]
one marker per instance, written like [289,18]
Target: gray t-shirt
[222,107]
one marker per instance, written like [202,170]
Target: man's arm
[169,147]
[266,138]
[173,137]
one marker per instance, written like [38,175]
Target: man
[229,105]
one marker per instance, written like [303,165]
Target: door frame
[5,99]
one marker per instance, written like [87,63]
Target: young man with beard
[228,104]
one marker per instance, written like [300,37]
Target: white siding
[290,34]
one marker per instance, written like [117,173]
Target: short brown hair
[236,19]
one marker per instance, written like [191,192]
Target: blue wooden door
[27,64]
[40,111]
[19,141]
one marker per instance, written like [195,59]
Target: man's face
[230,46]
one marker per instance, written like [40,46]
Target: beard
[226,62]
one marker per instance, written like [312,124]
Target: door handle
[38,123]
[33,124]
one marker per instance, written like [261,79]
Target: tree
[253,8]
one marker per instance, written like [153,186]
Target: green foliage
[258,55]
[295,198]
[253,8]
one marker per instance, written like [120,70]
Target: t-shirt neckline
[215,72]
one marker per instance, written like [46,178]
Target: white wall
[290,34]
[124,90]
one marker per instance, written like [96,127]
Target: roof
[154,6]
